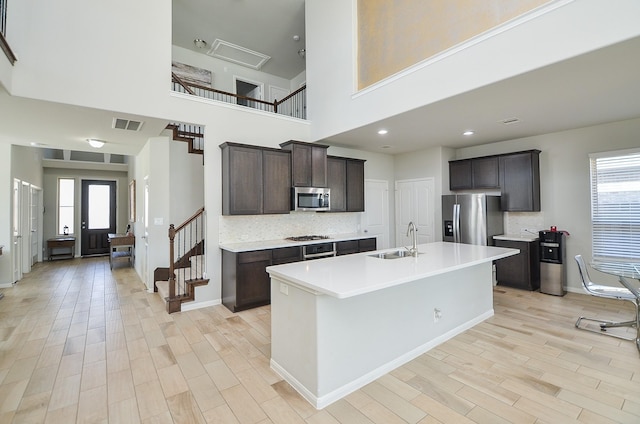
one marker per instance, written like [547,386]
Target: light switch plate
[158,221]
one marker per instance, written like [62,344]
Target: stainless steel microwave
[310,199]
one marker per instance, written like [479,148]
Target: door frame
[258,84]
[16,252]
[84,211]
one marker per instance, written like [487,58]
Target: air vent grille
[509,121]
[126,124]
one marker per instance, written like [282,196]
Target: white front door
[375,219]
[415,203]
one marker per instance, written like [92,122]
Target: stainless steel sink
[396,254]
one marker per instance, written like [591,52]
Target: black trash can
[553,272]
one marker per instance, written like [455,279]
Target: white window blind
[615,207]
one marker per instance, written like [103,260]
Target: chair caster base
[604,325]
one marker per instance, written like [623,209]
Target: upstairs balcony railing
[3,32]
[294,105]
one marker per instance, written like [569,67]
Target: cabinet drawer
[367,245]
[255,256]
[347,247]
[286,255]
[62,243]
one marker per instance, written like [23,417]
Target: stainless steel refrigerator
[471,218]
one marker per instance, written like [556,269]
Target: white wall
[335,107]
[92,53]
[6,234]
[50,200]
[564,180]
[224,72]
[187,182]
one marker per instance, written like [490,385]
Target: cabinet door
[367,245]
[286,255]
[337,182]
[242,181]
[460,176]
[520,182]
[301,165]
[253,285]
[514,271]
[318,166]
[485,172]
[355,186]
[347,247]
[276,182]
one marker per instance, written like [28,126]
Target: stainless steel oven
[319,250]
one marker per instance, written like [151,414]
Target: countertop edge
[279,243]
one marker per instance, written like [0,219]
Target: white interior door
[35,230]
[277,93]
[375,219]
[415,203]
[17,235]
[145,237]
[25,226]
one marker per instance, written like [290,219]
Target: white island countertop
[357,274]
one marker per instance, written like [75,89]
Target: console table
[121,246]
[59,243]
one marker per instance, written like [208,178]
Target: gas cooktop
[307,238]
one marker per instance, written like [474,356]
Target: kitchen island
[340,323]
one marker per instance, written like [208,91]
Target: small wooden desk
[67,243]
[121,246]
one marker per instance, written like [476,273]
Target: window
[66,205]
[615,206]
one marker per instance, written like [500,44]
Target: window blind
[615,207]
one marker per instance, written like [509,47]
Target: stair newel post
[275,106]
[173,305]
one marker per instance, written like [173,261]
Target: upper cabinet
[255,180]
[520,181]
[308,162]
[516,175]
[346,181]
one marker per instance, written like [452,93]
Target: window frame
[71,225]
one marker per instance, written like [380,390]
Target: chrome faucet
[411,228]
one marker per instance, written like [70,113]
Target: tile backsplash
[516,222]
[246,228]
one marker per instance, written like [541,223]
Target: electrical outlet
[284,289]
[437,314]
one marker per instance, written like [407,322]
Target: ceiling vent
[126,124]
[237,54]
[510,121]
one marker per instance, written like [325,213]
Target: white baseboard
[190,306]
[337,394]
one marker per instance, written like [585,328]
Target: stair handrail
[187,86]
[173,230]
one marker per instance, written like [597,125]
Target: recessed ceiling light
[386,146]
[95,143]
[383,131]
[468,132]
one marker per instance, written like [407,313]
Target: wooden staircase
[191,134]
[176,284]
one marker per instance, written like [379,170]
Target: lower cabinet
[521,271]
[245,281]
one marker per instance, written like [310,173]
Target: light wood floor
[79,343]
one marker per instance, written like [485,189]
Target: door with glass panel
[98,216]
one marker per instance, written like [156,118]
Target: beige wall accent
[393,35]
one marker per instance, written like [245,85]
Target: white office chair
[611,293]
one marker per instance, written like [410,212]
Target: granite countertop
[517,237]
[352,275]
[277,243]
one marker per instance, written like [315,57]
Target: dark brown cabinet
[521,271]
[349,247]
[245,282]
[346,181]
[255,180]
[517,175]
[308,163]
[520,181]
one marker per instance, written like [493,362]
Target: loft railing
[294,105]
[3,32]
[193,134]
[186,260]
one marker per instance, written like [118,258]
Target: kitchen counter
[517,237]
[353,275]
[248,246]
[339,323]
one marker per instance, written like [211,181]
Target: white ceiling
[263,26]
[598,87]
[595,88]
